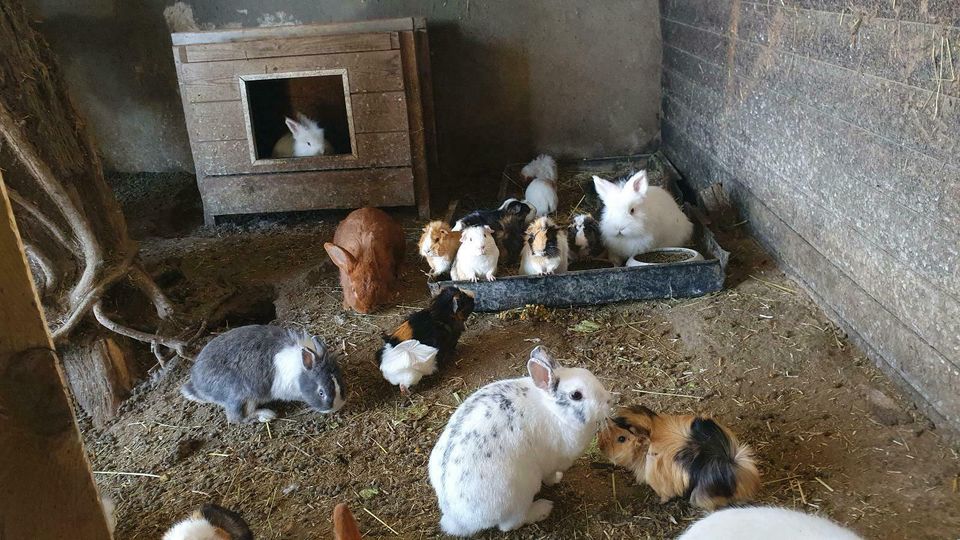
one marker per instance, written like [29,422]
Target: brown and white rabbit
[368,247]
[545,250]
[438,246]
[211,522]
[344,525]
[681,456]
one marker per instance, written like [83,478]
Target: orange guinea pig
[368,248]
[439,245]
[681,456]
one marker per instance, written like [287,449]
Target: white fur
[338,399]
[656,222]
[477,256]
[495,453]
[408,362]
[543,167]
[192,529]
[109,512]
[305,139]
[542,195]
[532,264]
[579,238]
[764,523]
[287,367]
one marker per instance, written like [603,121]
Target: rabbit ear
[293,125]
[541,366]
[638,183]
[344,525]
[309,358]
[605,188]
[340,257]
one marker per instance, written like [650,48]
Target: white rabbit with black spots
[509,438]
[638,217]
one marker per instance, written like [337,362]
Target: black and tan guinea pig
[425,339]
[681,456]
[584,238]
[545,249]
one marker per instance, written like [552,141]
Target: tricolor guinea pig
[545,250]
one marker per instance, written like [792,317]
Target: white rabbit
[542,191]
[764,523]
[305,139]
[638,217]
[477,256]
[507,439]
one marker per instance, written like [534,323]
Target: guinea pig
[681,456]
[583,235]
[545,250]
[211,522]
[438,246]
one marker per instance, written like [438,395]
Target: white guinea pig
[477,256]
[305,139]
[509,438]
[638,217]
[764,523]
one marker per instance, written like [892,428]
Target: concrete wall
[510,77]
[827,124]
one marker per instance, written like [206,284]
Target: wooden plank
[47,489]
[300,30]
[373,150]
[372,113]
[251,194]
[411,75]
[377,71]
[302,46]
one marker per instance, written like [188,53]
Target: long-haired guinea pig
[583,235]
[438,245]
[545,250]
[211,522]
[681,456]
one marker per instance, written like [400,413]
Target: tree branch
[173,344]
[38,168]
[55,231]
[50,277]
[93,295]
[147,286]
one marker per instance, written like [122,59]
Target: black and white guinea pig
[584,238]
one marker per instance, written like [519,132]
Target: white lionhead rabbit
[306,138]
[638,217]
[509,438]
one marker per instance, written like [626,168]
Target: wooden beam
[46,487]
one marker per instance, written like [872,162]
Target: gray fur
[236,371]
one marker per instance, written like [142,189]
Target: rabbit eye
[621,439]
[576,396]
[631,211]
[311,144]
[320,393]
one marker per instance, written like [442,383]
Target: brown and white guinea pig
[681,456]
[344,525]
[425,339]
[583,235]
[438,246]
[211,522]
[545,250]
[368,248]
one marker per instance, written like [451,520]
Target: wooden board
[301,46]
[377,71]
[248,194]
[300,30]
[46,488]
[373,150]
[408,46]
[372,113]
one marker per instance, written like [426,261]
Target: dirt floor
[831,433]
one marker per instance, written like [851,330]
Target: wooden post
[46,487]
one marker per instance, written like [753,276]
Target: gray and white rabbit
[584,237]
[510,437]
[246,367]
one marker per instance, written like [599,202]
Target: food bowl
[668,255]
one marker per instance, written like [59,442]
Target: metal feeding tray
[605,285]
